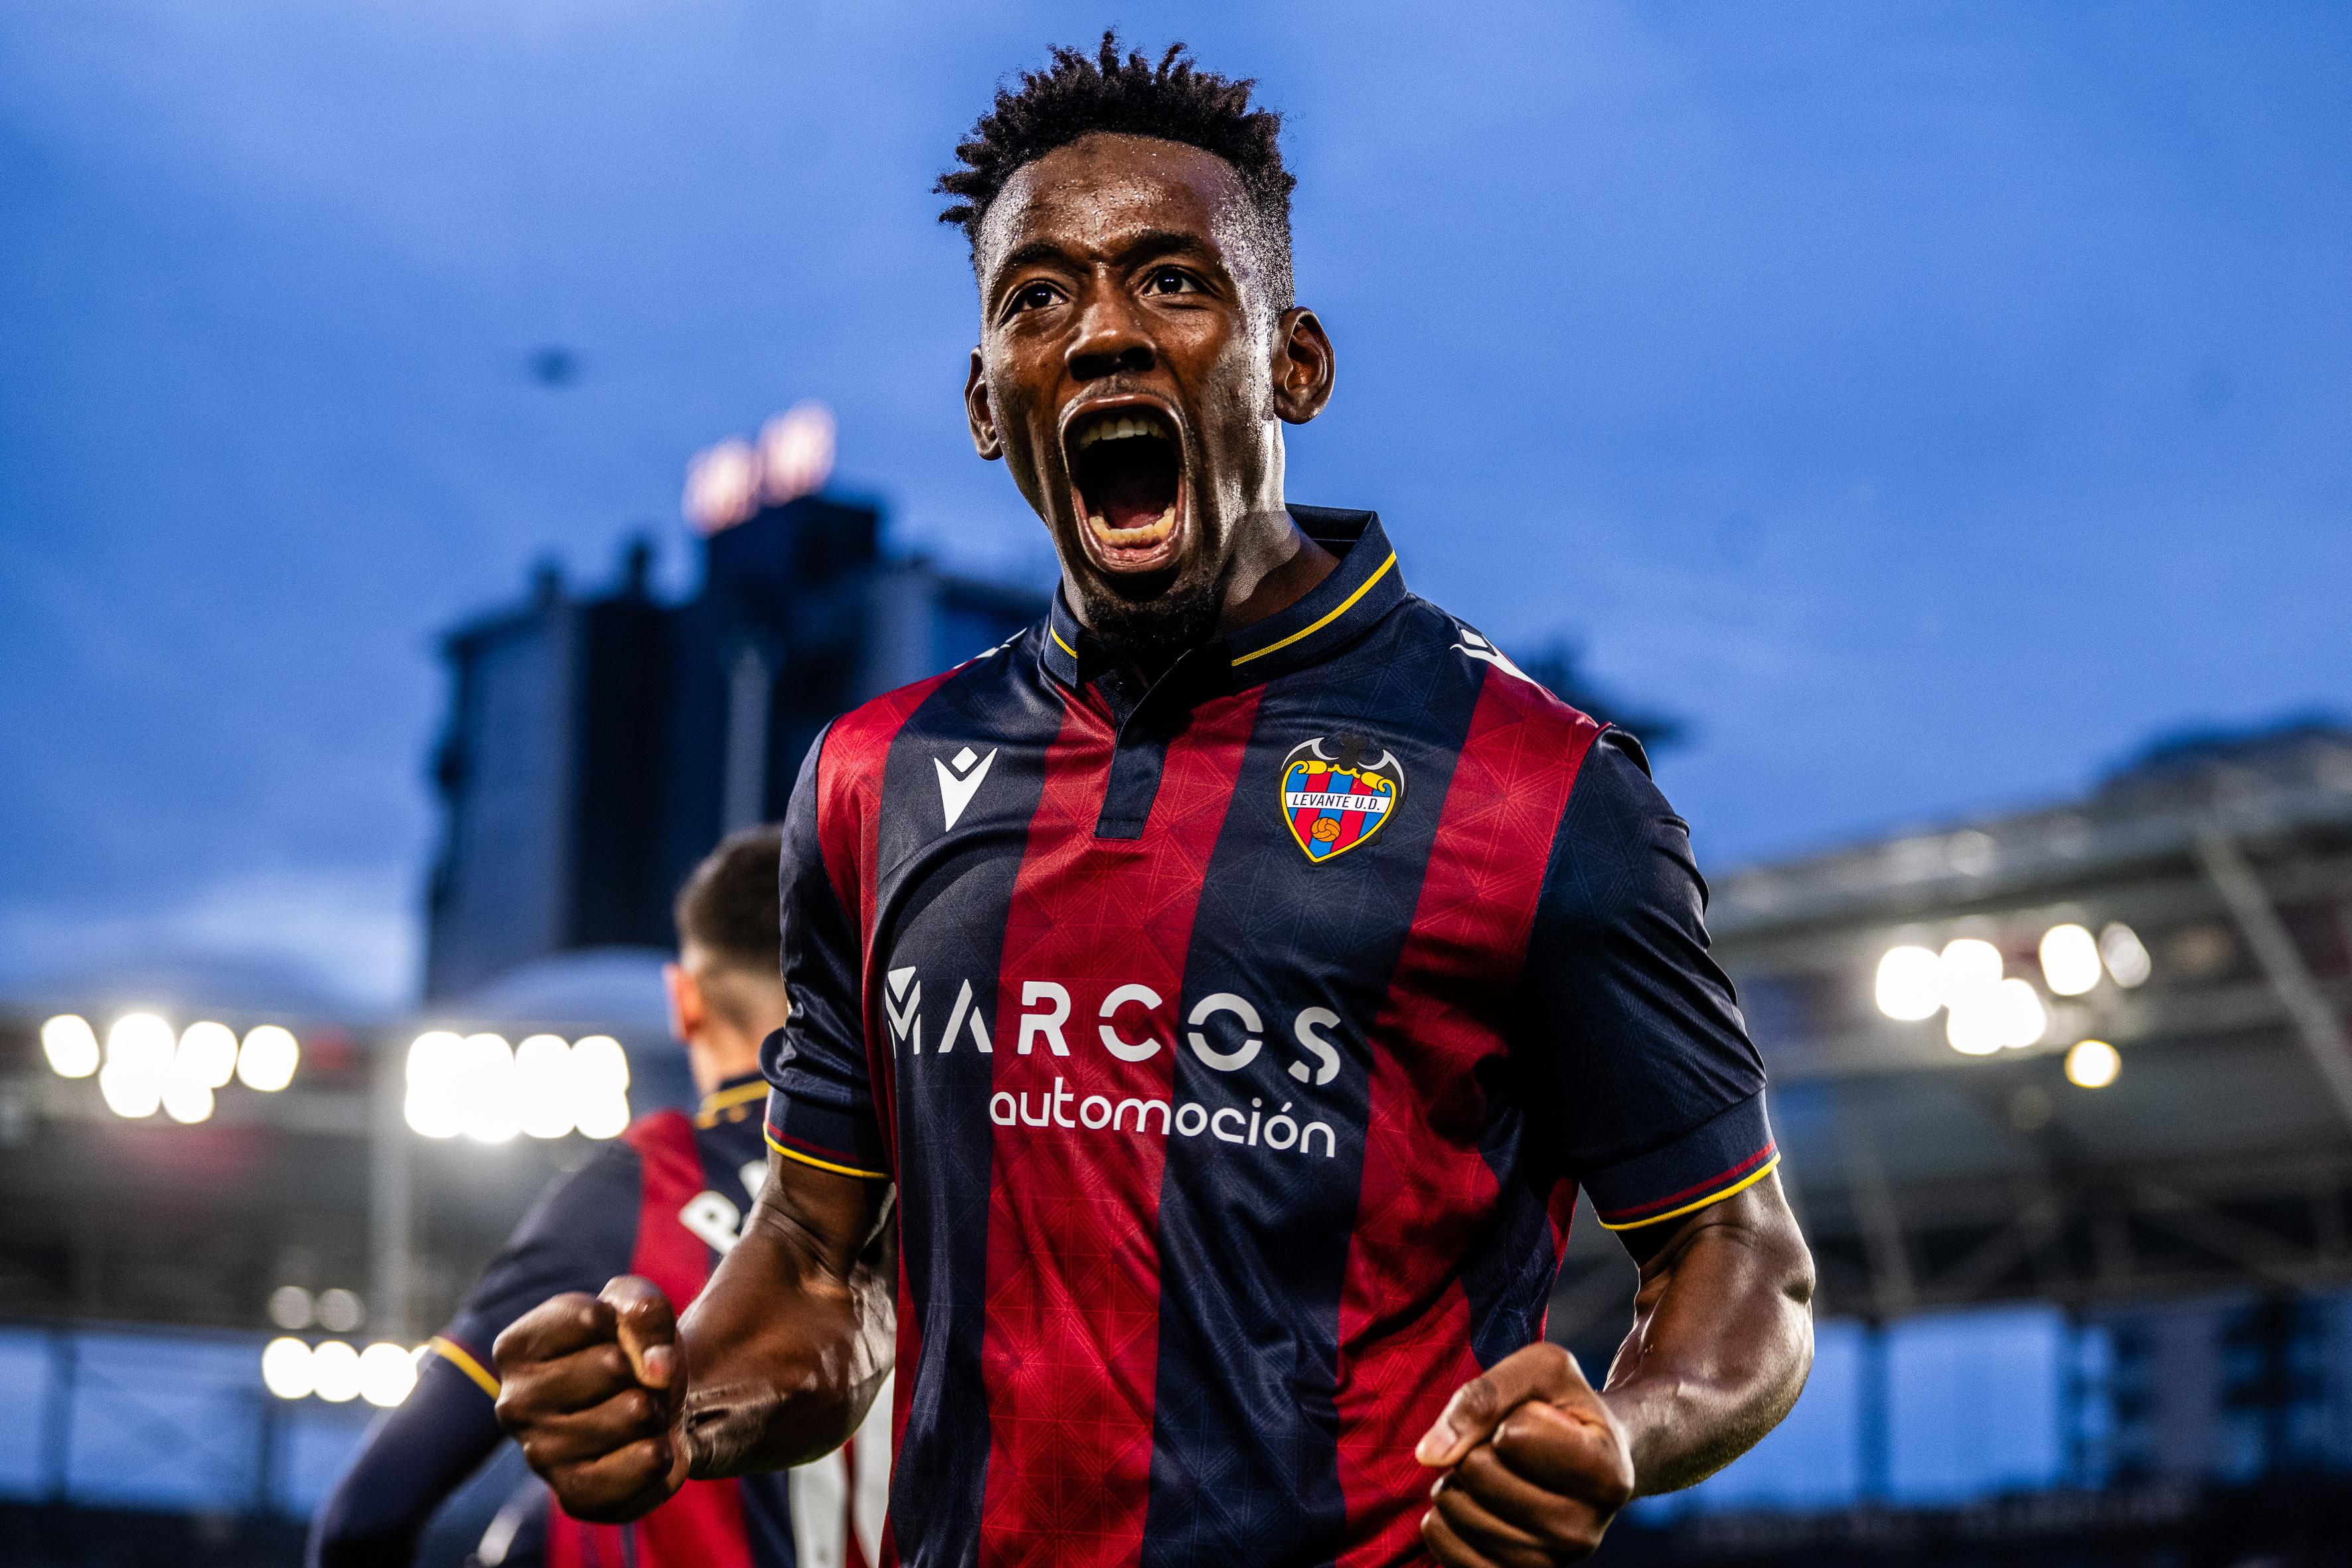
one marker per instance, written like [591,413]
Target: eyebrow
[1147,242]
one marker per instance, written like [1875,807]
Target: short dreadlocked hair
[1174,100]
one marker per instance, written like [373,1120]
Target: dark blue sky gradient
[1928,403]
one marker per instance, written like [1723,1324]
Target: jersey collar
[1367,585]
[735,1092]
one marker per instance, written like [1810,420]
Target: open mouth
[1129,475]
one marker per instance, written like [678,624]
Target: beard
[1157,619]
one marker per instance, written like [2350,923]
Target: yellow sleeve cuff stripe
[453,1352]
[1740,1185]
[827,1164]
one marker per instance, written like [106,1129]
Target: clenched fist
[590,1387]
[1537,1465]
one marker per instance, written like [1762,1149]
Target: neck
[718,1054]
[1273,566]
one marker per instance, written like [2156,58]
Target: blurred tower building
[597,746]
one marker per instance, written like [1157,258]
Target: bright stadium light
[1967,966]
[2022,1019]
[600,1085]
[2128,961]
[286,1369]
[137,1061]
[543,1086]
[1976,1025]
[268,1060]
[185,1100]
[335,1373]
[2093,1064]
[341,1311]
[2069,959]
[386,1375]
[1910,984]
[290,1307]
[207,1055]
[433,1106]
[488,1073]
[72,1045]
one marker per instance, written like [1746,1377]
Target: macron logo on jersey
[959,779]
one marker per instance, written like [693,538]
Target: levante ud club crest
[1335,797]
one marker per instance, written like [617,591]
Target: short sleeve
[581,1233]
[1630,1047]
[821,1100]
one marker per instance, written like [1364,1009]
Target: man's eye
[1035,296]
[1170,280]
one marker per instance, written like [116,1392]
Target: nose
[1111,339]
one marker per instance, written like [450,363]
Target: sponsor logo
[1333,799]
[959,780]
[1254,1127]
[1224,1031]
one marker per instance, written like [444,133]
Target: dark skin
[1118,275]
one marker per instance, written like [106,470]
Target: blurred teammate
[1230,981]
[662,1201]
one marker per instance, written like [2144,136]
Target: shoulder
[854,748]
[1508,695]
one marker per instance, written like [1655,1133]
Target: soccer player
[1230,982]
[662,1202]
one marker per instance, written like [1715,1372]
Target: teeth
[1130,538]
[1117,427]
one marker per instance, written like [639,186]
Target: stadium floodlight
[341,1311]
[2069,959]
[433,1106]
[600,1084]
[286,1369]
[185,1100]
[1910,984]
[543,1086]
[2022,1019]
[1976,1023]
[72,1045]
[335,1373]
[138,1061]
[386,1375]
[268,1060]
[486,1074]
[2093,1064]
[207,1055]
[290,1307]
[2128,961]
[1967,966]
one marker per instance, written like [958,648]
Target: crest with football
[1335,797]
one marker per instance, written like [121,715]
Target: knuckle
[1477,1400]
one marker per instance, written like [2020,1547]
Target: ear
[984,439]
[687,1013]
[1304,366]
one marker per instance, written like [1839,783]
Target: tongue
[1133,492]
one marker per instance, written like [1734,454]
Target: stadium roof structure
[2218,1155]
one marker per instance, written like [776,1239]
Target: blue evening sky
[1929,403]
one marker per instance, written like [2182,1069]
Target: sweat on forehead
[1107,194]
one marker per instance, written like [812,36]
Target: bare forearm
[1720,1348]
[787,1352]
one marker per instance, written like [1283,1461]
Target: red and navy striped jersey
[1238,1048]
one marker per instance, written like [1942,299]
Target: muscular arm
[1538,1462]
[618,1404]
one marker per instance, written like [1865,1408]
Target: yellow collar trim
[1345,605]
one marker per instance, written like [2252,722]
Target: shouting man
[1230,983]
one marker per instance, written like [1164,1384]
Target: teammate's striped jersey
[663,1200]
[1237,1047]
